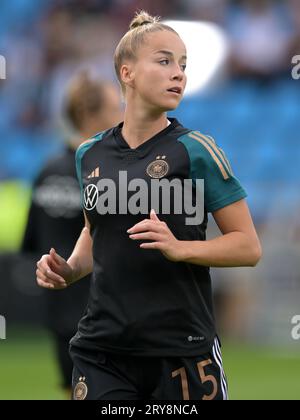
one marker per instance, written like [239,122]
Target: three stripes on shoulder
[216,153]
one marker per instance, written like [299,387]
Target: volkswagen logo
[90,197]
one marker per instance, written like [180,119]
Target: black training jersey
[140,302]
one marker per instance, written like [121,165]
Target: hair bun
[142,18]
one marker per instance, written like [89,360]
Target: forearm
[234,249]
[81,260]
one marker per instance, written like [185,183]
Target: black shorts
[107,376]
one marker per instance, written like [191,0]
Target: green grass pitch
[28,370]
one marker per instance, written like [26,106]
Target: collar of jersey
[145,147]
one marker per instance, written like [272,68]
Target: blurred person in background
[260,36]
[55,216]
[294,8]
[206,10]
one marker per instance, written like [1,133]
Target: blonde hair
[85,97]
[141,25]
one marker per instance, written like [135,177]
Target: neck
[140,126]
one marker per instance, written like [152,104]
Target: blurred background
[241,92]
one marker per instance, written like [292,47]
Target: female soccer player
[148,331]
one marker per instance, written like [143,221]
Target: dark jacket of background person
[56,220]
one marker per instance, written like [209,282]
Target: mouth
[175,90]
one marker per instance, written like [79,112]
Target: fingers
[153,216]
[49,286]
[45,285]
[58,260]
[152,245]
[147,225]
[151,236]
[43,263]
[142,224]
[42,281]
[55,278]
[46,276]
[51,278]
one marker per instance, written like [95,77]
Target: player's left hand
[157,231]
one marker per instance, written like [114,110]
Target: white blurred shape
[207,51]
[2,67]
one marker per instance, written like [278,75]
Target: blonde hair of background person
[91,105]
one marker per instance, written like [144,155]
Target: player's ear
[127,74]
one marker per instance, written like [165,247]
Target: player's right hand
[53,271]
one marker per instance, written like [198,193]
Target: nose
[178,74]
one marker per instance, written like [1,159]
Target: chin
[169,106]
[173,107]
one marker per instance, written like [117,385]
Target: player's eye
[183,66]
[164,62]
